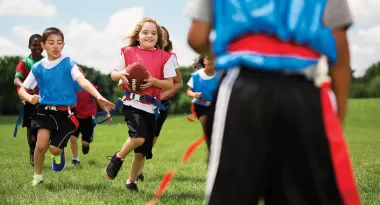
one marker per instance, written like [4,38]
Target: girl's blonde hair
[135,34]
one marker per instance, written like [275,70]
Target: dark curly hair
[198,64]
[169,47]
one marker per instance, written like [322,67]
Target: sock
[128,182]
[76,158]
[38,176]
[118,156]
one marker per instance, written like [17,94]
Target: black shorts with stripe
[58,123]
[141,124]
[268,140]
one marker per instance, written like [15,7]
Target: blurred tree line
[367,86]
[10,103]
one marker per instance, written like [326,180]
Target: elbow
[189,92]
[197,43]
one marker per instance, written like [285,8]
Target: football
[137,74]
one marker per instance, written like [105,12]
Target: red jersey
[86,104]
[153,60]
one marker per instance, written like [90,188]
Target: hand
[197,95]
[105,104]
[123,75]
[34,99]
[149,82]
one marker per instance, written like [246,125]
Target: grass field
[88,185]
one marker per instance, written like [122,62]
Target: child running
[55,76]
[144,47]
[22,71]
[84,112]
[166,95]
[202,86]
[274,132]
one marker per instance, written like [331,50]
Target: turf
[88,185]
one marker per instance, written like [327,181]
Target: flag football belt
[133,97]
[71,116]
[204,102]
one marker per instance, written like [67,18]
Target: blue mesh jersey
[56,84]
[293,28]
[206,87]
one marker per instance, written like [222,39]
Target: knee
[139,141]
[55,150]
[40,147]
[139,156]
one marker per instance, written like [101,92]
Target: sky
[94,31]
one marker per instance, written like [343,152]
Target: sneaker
[59,162]
[114,166]
[75,162]
[85,149]
[132,186]
[140,177]
[36,181]
[31,158]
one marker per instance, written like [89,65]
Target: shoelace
[57,159]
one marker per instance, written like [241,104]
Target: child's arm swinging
[29,83]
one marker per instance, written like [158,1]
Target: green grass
[88,185]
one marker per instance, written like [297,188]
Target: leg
[136,126]
[74,144]
[144,151]
[159,123]
[59,141]
[241,154]
[138,161]
[87,134]
[42,145]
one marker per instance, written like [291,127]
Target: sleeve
[169,69]
[120,64]
[190,82]
[175,62]
[202,10]
[337,14]
[75,72]
[30,81]
[21,71]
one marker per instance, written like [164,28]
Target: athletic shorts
[161,118]
[86,129]
[141,124]
[201,110]
[30,113]
[58,123]
[269,140]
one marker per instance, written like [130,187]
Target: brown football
[137,74]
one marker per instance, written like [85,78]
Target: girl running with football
[139,108]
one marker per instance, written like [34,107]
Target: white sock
[39,176]
[76,158]
[128,182]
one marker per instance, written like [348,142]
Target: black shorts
[86,129]
[268,140]
[161,118]
[140,124]
[30,113]
[58,123]
[201,110]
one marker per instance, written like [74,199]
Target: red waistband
[60,108]
[204,101]
[270,45]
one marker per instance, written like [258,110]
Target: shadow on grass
[181,196]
